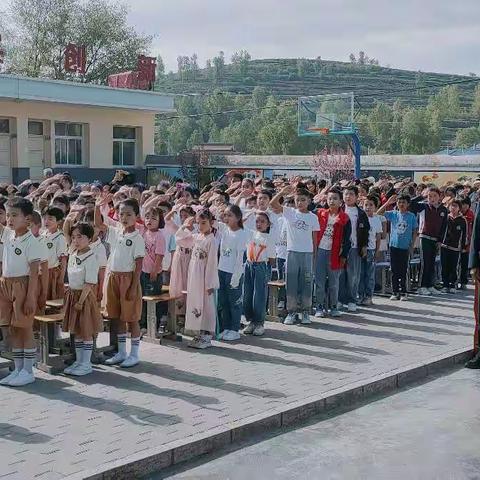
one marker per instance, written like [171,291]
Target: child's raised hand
[188,223]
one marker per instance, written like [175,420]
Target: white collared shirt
[125,249]
[82,269]
[99,249]
[56,247]
[19,253]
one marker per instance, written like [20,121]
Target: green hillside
[252,104]
[292,78]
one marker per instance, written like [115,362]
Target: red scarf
[337,239]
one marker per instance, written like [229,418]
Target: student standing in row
[432,225]
[359,240]
[301,225]
[333,241]
[403,234]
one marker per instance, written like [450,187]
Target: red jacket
[342,230]
[469,217]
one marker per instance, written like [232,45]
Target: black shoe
[474,363]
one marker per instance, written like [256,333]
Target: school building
[87,130]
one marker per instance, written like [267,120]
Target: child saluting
[124,294]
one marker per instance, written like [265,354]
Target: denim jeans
[151,288]
[255,290]
[326,278]
[229,303]
[350,277]
[282,292]
[366,286]
[299,281]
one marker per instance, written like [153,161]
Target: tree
[467,137]
[415,131]
[352,58]
[219,65]
[43,28]
[160,72]
[240,60]
[476,102]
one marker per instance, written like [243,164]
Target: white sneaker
[23,378]
[73,366]
[305,319]
[433,291]
[320,313]
[334,312]
[404,298]
[281,305]
[452,290]
[445,290]
[395,297]
[259,331]
[130,361]
[423,291]
[116,359]
[352,307]
[9,378]
[290,319]
[220,335]
[81,370]
[231,336]
[249,329]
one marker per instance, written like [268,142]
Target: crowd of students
[217,249]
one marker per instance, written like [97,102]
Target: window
[4,125]
[124,146]
[68,143]
[35,128]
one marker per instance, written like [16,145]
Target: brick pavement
[62,426]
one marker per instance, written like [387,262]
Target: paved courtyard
[60,425]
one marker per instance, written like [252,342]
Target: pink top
[154,245]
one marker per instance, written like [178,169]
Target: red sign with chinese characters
[141,79]
[75,58]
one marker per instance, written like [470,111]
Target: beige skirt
[13,292]
[56,284]
[85,323]
[117,306]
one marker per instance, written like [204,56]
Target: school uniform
[56,248]
[18,254]
[126,248]
[452,245]
[43,265]
[82,269]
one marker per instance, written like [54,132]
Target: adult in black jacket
[474,265]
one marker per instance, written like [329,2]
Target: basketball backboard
[326,114]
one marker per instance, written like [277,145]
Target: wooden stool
[151,336]
[48,363]
[273,290]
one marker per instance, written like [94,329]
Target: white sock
[122,343]
[135,347]
[87,352]
[78,350]
[29,355]
[17,354]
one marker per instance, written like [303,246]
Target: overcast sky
[427,35]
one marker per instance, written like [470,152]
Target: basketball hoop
[321,131]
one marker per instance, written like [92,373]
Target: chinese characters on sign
[75,58]
[142,79]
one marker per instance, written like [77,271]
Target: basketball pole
[357,153]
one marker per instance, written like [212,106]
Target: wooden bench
[273,291]
[48,363]
[151,335]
